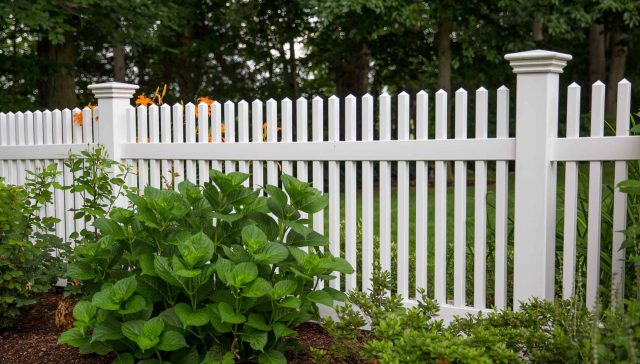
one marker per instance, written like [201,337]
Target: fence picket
[229,132]
[440,233]
[334,187]
[367,196]
[570,197]
[272,137]
[620,199]
[177,119]
[256,137]
[4,165]
[154,138]
[165,138]
[190,137]
[20,140]
[403,200]
[67,176]
[317,120]
[350,196]
[480,206]
[460,206]
[203,136]
[595,199]
[132,176]
[11,132]
[502,202]
[143,170]
[287,132]
[422,193]
[243,134]
[58,194]
[385,186]
[302,136]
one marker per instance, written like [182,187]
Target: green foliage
[30,256]
[204,274]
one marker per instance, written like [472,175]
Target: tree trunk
[445,28]
[352,73]
[119,68]
[617,66]
[293,72]
[536,30]
[597,60]
[57,89]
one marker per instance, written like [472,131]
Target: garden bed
[34,339]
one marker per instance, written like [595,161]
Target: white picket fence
[169,143]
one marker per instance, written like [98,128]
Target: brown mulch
[34,339]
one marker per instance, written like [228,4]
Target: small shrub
[30,256]
[207,274]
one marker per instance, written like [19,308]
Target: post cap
[112,90]
[538,61]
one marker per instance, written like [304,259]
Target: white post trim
[535,185]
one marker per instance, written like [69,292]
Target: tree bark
[536,30]
[293,72]
[352,73]
[119,67]
[57,89]
[597,59]
[445,28]
[617,67]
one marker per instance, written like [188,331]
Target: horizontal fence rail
[444,213]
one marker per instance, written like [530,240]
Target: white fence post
[113,100]
[535,181]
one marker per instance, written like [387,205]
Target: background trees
[50,49]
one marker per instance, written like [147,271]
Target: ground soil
[34,339]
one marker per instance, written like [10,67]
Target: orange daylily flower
[143,100]
[77,117]
[207,101]
[264,131]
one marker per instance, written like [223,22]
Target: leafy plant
[31,258]
[205,274]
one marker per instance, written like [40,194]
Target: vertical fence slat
[216,137]
[334,186]
[47,138]
[154,138]
[4,169]
[77,125]
[229,132]
[67,176]
[480,206]
[272,137]
[302,136]
[131,138]
[28,119]
[20,164]
[440,233]
[422,193]
[177,120]
[190,137]
[595,199]
[87,125]
[403,200]
[165,138]
[619,198]
[256,137]
[143,173]
[350,194]
[460,206]
[58,194]
[243,134]
[502,201]
[367,196]
[287,131]
[570,197]
[203,136]
[385,186]
[317,120]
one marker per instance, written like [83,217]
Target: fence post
[537,101]
[113,100]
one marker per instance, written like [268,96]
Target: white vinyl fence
[169,143]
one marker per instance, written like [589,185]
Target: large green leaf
[196,250]
[123,289]
[146,264]
[257,340]
[124,358]
[188,317]
[171,340]
[253,237]
[284,288]
[161,265]
[256,321]
[290,302]
[133,329]
[272,357]
[74,337]
[135,304]
[243,274]
[271,253]
[81,271]
[108,330]
[321,297]
[281,330]
[258,288]
[104,300]
[153,327]
[228,314]
[84,311]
